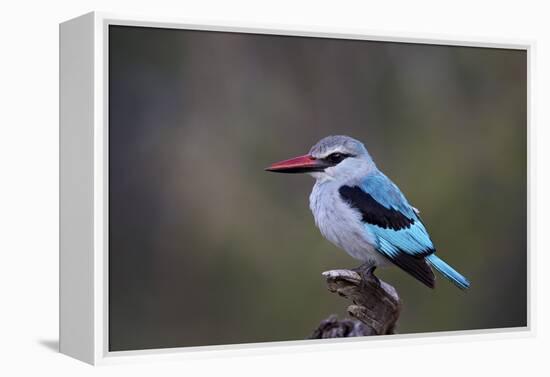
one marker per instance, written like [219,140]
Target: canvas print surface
[242,166]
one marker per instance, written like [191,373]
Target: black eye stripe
[336,157]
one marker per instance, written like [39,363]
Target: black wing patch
[416,266]
[373,212]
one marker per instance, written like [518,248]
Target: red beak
[302,164]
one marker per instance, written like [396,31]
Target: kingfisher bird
[359,209]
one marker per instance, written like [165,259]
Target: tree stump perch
[375,309]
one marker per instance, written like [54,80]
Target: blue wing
[399,232]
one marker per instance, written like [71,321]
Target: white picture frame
[84,183]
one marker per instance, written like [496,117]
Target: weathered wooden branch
[375,309]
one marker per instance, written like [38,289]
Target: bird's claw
[366,271]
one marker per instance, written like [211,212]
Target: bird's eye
[336,157]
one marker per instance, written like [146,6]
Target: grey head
[340,144]
[338,157]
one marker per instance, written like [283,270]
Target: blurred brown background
[207,248]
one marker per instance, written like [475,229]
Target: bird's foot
[366,271]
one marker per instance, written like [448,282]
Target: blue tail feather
[449,272]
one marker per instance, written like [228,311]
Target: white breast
[342,225]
